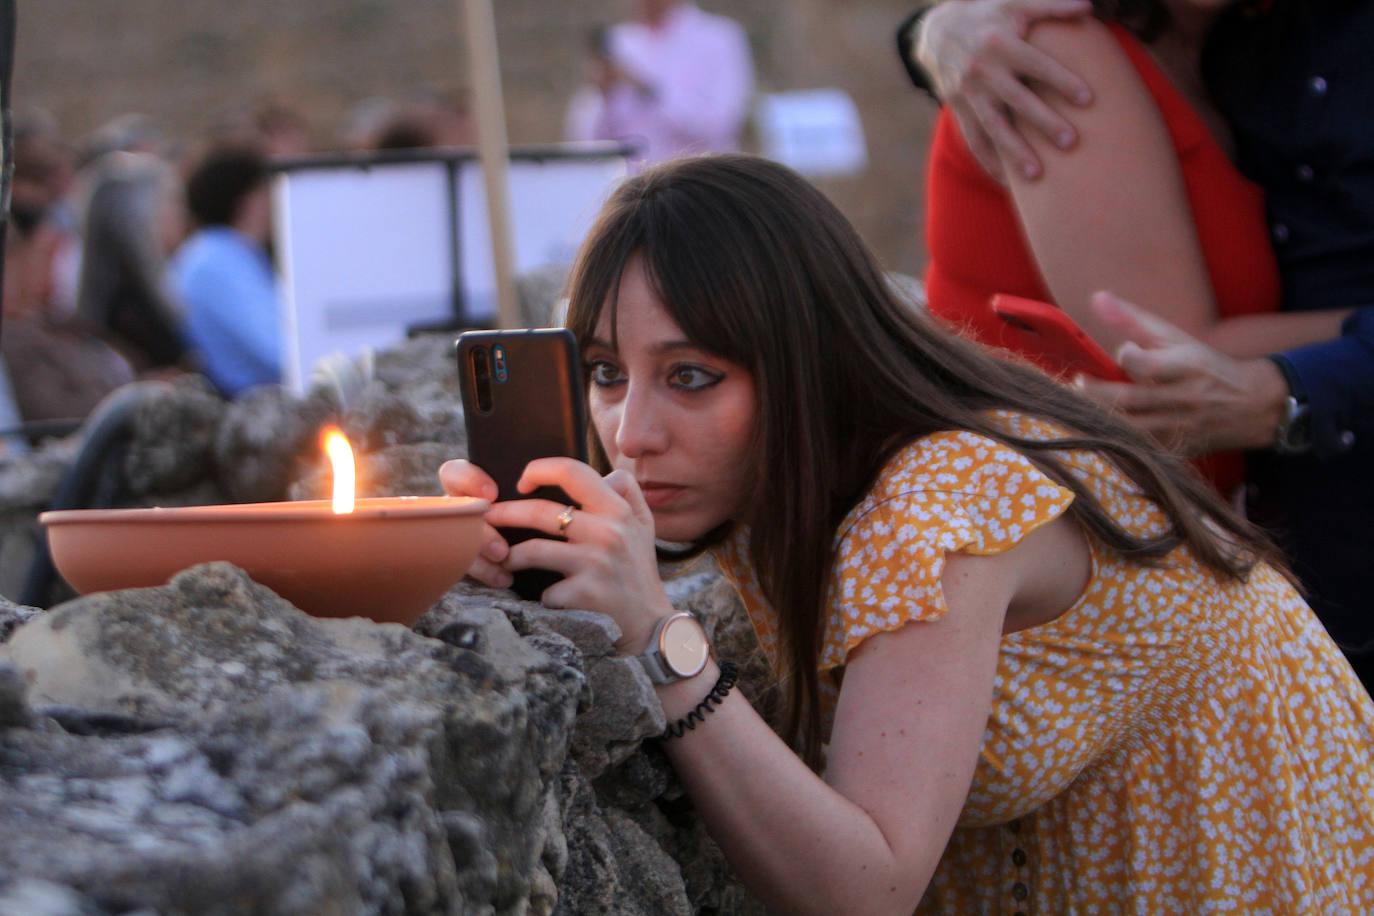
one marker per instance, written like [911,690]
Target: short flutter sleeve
[948,492]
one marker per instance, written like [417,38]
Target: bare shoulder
[1084,41]
[1088,47]
[1123,106]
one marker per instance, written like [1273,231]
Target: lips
[660,495]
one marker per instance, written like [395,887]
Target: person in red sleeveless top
[1147,204]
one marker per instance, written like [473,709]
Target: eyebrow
[666,346]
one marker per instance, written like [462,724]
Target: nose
[642,428]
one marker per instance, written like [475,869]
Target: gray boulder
[262,439]
[620,709]
[399,470]
[13,616]
[173,437]
[29,482]
[394,773]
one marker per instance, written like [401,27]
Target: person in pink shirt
[675,80]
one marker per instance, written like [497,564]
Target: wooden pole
[485,70]
[7,29]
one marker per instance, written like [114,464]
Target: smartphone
[1040,327]
[523,398]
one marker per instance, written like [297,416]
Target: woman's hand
[463,478]
[607,558]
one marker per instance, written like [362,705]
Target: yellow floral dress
[1173,743]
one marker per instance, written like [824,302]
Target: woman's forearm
[1252,336]
[798,844]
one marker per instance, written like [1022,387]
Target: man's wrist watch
[677,651]
[1294,434]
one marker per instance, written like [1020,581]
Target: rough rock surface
[206,747]
[263,438]
[29,482]
[174,435]
[398,470]
[396,773]
[13,616]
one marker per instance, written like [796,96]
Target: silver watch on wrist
[1294,433]
[1293,436]
[677,651]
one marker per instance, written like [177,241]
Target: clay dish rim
[370,508]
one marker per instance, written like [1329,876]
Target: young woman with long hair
[1030,661]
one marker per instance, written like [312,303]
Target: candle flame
[341,458]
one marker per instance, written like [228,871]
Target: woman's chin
[679,530]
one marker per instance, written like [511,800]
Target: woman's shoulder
[964,473]
[1083,42]
[958,459]
[950,461]
[1124,77]
[1126,82]
[954,491]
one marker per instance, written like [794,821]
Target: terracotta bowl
[390,559]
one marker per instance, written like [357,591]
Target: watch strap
[652,662]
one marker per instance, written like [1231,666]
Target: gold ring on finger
[565,519]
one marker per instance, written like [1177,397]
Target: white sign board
[816,131]
[369,248]
[552,207]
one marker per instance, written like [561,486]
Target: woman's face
[679,419]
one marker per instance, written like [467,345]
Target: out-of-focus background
[193,65]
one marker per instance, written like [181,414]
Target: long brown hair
[756,266]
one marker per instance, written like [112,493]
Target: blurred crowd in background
[135,254]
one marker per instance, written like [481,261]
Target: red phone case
[1039,327]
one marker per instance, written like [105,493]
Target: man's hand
[980,63]
[1191,398]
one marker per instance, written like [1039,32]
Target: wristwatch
[677,651]
[1294,435]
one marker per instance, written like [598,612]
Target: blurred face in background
[654,11]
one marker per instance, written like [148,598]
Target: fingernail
[1083,96]
[1029,170]
[1065,139]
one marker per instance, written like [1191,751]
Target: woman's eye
[693,378]
[603,373]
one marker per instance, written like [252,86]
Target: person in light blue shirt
[223,276]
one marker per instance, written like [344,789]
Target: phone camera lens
[481,376]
